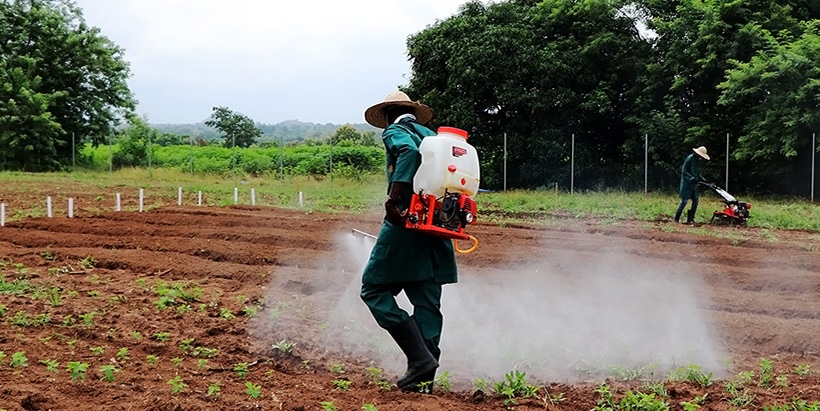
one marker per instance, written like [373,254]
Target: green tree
[60,81]
[777,92]
[538,71]
[696,43]
[347,135]
[236,128]
[133,148]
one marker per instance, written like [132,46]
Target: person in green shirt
[689,179]
[403,259]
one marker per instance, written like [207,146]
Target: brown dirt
[572,303]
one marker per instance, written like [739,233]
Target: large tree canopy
[60,81]
[540,71]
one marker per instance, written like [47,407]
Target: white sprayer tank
[448,162]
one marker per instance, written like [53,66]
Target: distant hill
[288,130]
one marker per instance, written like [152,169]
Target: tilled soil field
[243,307]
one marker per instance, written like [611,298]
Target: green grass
[323,194]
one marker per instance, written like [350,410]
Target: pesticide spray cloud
[565,318]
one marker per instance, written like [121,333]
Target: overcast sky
[321,61]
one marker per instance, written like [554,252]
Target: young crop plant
[226,313]
[151,359]
[77,370]
[241,369]
[176,361]
[514,387]
[766,373]
[55,298]
[51,366]
[19,359]
[122,354]
[108,372]
[97,351]
[284,346]
[162,336]
[136,336]
[607,400]
[88,262]
[337,368]
[253,390]
[342,384]
[691,373]
[213,390]
[641,401]
[202,364]
[177,385]
[443,381]
[369,407]
[802,369]
[328,406]
[88,319]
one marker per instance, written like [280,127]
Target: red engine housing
[446,217]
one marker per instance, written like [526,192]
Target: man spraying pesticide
[426,208]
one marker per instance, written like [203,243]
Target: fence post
[726,186]
[813,156]
[505,162]
[572,167]
[646,163]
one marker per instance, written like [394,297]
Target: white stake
[70,207]
[118,207]
[142,197]
[199,198]
[253,196]
[300,199]
[179,196]
[235,195]
[48,206]
[2,214]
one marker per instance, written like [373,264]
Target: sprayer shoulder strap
[411,129]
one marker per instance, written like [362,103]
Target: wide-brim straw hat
[375,114]
[701,151]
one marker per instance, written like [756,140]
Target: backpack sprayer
[443,186]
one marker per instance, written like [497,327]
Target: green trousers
[425,297]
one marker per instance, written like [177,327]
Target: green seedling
[151,359]
[163,336]
[88,262]
[88,319]
[249,311]
[369,407]
[443,381]
[226,313]
[641,401]
[241,369]
[77,370]
[19,359]
[177,385]
[213,390]
[108,372]
[122,354]
[136,336]
[766,373]
[202,364]
[176,361]
[328,406]
[253,390]
[514,387]
[481,384]
[337,368]
[342,385]
[284,346]
[55,298]
[802,369]
[51,366]
[98,351]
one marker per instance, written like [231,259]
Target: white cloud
[320,61]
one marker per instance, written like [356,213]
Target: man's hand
[395,215]
[393,205]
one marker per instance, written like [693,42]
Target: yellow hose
[469,250]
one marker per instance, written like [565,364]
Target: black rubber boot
[426,381]
[677,216]
[420,361]
[690,217]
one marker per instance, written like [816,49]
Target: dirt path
[204,289]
